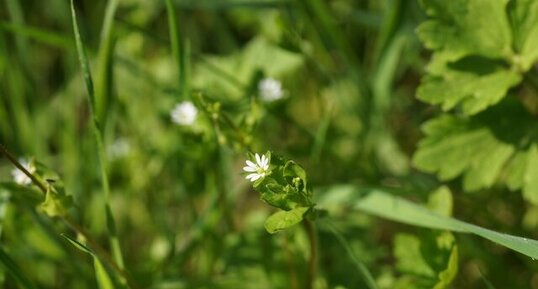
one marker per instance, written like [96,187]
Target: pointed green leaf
[103,279]
[382,204]
[284,219]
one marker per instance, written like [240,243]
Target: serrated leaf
[481,147]
[474,83]
[429,261]
[467,27]
[524,19]
[284,219]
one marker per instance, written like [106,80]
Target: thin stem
[312,263]
[102,253]
[19,166]
[361,268]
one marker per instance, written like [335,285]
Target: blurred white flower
[270,89]
[119,148]
[257,170]
[184,113]
[19,176]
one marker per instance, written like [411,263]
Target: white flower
[19,176]
[184,113]
[119,148]
[257,170]
[270,89]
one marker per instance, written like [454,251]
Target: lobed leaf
[497,144]
[461,27]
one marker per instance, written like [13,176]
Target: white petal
[257,176]
[251,177]
[249,169]
[265,161]
[251,164]
[258,159]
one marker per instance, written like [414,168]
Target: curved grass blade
[103,279]
[359,265]
[382,204]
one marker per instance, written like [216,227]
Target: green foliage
[499,143]
[382,204]
[484,51]
[285,187]
[114,169]
[428,262]
[282,220]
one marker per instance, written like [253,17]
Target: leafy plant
[482,52]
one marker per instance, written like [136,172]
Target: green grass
[123,197]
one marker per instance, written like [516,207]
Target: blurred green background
[185,216]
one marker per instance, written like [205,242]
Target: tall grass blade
[178,51]
[113,239]
[103,81]
[385,205]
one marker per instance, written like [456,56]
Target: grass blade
[103,279]
[113,239]
[48,37]
[178,49]
[359,265]
[385,205]
[103,81]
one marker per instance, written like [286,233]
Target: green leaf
[382,204]
[473,64]
[460,28]
[524,18]
[56,205]
[284,219]
[409,257]
[103,279]
[440,201]
[228,76]
[474,83]
[429,261]
[481,147]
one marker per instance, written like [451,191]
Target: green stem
[312,263]
[361,268]
[16,163]
[84,63]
